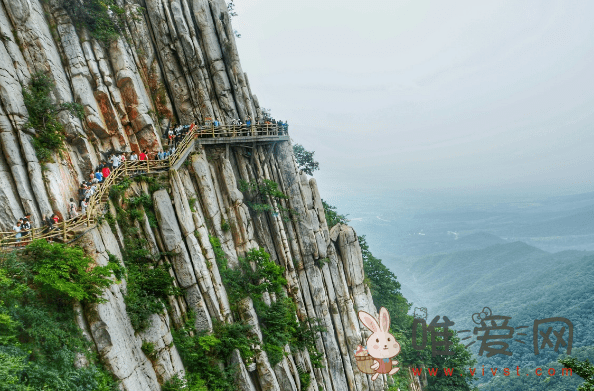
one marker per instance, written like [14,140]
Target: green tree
[332,216]
[384,287]
[39,337]
[259,197]
[583,368]
[305,159]
[232,14]
[460,378]
[103,18]
[43,116]
[65,269]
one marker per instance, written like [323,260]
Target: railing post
[64,228]
[148,166]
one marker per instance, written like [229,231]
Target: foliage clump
[148,282]
[305,159]
[39,338]
[201,353]
[59,269]
[43,116]
[332,217]
[260,197]
[258,275]
[583,369]
[103,18]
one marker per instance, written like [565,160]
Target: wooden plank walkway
[66,230]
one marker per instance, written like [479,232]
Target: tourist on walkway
[17,230]
[115,162]
[72,209]
[47,223]
[25,226]
[105,171]
[99,176]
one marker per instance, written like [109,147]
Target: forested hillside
[556,382]
[514,280]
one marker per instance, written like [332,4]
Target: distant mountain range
[512,279]
[522,259]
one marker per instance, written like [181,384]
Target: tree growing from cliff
[103,18]
[232,13]
[332,216]
[43,116]
[39,337]
[266,197]
[384,286]
[305,159]
[582,368]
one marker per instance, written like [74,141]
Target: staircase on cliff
[67,231]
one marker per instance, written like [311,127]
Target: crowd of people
[249,122]
[22,228]
[176,134]
[173,134]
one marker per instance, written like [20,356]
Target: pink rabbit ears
[370,322]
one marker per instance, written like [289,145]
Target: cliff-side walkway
[65,231]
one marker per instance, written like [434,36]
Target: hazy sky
[481,96]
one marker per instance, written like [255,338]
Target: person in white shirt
[134,156]
[90,191]
[115,162]
[72,209]
[17,229]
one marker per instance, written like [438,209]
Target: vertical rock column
[311,277]
[117,344]
[214,58]
[181,262]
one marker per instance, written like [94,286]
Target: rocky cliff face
[176,59]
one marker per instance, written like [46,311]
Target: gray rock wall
[177,60]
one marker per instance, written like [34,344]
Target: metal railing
[65,230]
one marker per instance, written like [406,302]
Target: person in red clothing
[105,171]
[142,155]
